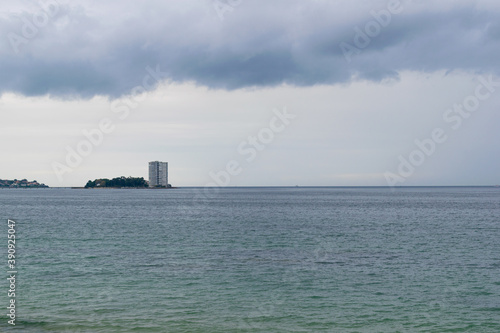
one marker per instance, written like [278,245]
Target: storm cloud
[86,48]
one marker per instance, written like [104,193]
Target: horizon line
[285,186]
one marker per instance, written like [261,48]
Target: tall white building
[158,174]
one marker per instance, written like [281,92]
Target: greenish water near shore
[255,260]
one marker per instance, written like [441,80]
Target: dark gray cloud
[87,48]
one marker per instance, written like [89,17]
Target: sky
[251,92]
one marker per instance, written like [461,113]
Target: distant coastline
[122,188]
[23,183]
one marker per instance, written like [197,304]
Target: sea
[289,259]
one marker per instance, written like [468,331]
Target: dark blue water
[255,260]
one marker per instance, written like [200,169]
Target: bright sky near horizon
[250,93]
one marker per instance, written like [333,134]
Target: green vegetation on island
[118,182]
[21,184]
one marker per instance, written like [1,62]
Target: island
[23,183]
[120,182]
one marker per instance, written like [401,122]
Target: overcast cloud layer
[88,48]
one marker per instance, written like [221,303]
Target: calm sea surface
[254,260]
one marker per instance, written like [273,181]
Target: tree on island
[118,182]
